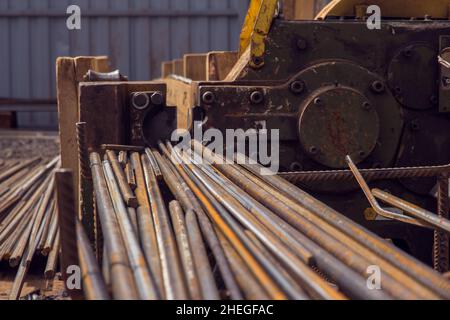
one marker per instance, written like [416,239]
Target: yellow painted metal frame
[256,27]
[439,9]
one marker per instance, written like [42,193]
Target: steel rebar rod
[147,233]
[94,287]
[413,210]
[412,267]
[122,280]
[188,201]
[143,279]
[125,190]
[170,264]
[184,248]
[206,281]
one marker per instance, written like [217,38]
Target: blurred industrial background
[136,34]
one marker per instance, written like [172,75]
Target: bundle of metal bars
[175,227]
[28,215]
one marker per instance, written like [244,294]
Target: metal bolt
[446,81]
[302,44]
[313,150]
[257,60]
[366,105]
[377,86]
[256,97]
[157,98]
[208,97]
[414,125]
[408,52]
[434,99]
[140,100]
[295,166]
[317,101]
[297,86]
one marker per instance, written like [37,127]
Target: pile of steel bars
[28,216]
[186,224]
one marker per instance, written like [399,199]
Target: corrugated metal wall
[136,34]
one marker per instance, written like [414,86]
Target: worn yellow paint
[256,27]
[249,24]
[390,8]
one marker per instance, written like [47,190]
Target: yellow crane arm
[256,27]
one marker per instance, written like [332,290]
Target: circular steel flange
[338,121]
[327,75]
[412,76]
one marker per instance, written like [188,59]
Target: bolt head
[295,166]
[366,105]
[318,101]
[140,100]
[257,61]
[208,97]
[434,99]
[414,125]
[313,150]
[377,86]
[157,98]
[407,53]
[297,86]
[256,97]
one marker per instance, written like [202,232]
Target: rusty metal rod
[206,281]
[174,285]
[307,277]
[150,246]
[259,266]
[368,174]
[184,249]
[125,190]
[353,283]
[311,280]
[441,239]
[249,285]
[413,210]
[188,201]
[144,282]
[324,259]
[147,233]
[120,147]
[123,158]
[52,260]
[122,280]
[374,203]
[151,157]
[94,287]
[403,286]
[419,272]
[129,172]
